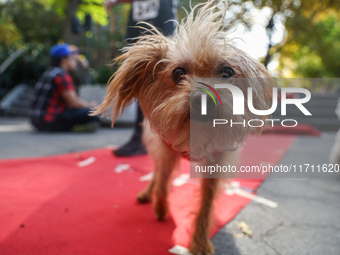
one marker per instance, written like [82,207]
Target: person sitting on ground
[56,106]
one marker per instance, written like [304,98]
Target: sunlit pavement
[19,140]
[306,220]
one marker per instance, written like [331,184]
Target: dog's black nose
[202,107]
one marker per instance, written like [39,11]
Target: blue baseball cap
[61,50]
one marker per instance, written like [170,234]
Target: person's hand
[109,4]
[83,62]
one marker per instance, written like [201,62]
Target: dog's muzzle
[196,104]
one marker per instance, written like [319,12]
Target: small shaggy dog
[157,71]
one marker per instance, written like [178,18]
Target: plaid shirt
[48,102]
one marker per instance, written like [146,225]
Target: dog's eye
[177,74]
[227,72]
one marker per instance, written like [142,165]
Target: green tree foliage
[31,27]
[34,20]
[316,53]
[93,7]
[68,9]
[310,47]
[310,43]
[8,30]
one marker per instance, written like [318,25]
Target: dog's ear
[137,70]
[259,78]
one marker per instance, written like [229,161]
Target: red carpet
[51,205]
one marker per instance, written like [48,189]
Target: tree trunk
[70,11]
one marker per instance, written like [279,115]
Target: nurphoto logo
[238,103]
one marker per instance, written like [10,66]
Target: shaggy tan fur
[201,48]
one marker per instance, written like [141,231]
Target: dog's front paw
[203,248]
[160,206]
[144,197]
